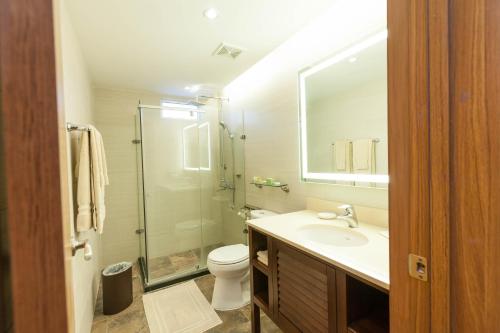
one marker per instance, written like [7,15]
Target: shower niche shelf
[283,187]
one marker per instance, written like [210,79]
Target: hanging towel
[99,175]
[84,219]
[342,155]
[92,178]
[363,156]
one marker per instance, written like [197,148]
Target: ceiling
[164,45]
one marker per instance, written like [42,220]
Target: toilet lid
[230,254]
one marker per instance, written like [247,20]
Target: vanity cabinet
[304,293]
[301,293]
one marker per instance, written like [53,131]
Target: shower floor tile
[175,263]
[133,319]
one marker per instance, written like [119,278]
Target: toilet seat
[229,255]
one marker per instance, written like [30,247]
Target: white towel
[92,178]
[342,155]
[263,261]
[262,254]
[82,171]
[262,257]
[363,155]
[100,177]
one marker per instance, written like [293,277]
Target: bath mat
[179,309]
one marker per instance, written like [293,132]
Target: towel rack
[73,127]
[350,141]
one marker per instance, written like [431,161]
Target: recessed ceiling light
[210,13]
[187,87]
[352,59]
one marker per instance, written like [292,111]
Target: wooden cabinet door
[304,291]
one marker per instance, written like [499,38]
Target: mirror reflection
[344,116]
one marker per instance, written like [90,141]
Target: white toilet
[230,266]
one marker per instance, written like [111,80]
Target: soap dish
[327,215]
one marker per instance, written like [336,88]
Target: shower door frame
[175,277]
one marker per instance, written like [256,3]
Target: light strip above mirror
[343,55]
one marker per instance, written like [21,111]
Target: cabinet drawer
[304,288]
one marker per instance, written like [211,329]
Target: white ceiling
[165,45]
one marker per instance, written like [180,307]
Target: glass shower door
[141,230]
[172,192]
[211,218]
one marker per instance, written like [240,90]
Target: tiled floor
[161,267]
[133,319]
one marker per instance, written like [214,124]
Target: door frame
[29,111]
[419,163]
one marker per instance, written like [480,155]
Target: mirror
[196,147]
[343,116]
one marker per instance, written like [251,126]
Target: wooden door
[444,143]
[31,157]
[475,165]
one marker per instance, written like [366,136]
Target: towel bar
[72,127]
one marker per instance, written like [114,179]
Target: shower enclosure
[190,182]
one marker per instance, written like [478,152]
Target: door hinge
[417,267]
[139,231]
[136,141]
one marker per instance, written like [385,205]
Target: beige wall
[77,103]
[268,94]
[115,118]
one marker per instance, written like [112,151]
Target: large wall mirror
[343,116]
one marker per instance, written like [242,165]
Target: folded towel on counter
[262,257]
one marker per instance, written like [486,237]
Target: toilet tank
[261,213]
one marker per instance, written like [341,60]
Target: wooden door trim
[439,98]
[409,161]
[31,147]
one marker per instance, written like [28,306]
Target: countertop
[369,261]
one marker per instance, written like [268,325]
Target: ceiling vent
[227,50]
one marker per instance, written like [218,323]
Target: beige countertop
[369,261]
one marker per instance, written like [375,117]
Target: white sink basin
[331,235]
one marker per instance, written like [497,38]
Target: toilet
[230,266]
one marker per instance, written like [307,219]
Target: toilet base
[230,294]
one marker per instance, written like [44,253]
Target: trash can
[116,287]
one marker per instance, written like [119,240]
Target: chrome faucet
[349,216]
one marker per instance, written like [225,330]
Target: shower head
[224,127]
[195,103]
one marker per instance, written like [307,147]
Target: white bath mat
[181,308]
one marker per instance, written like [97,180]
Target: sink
[332,235]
